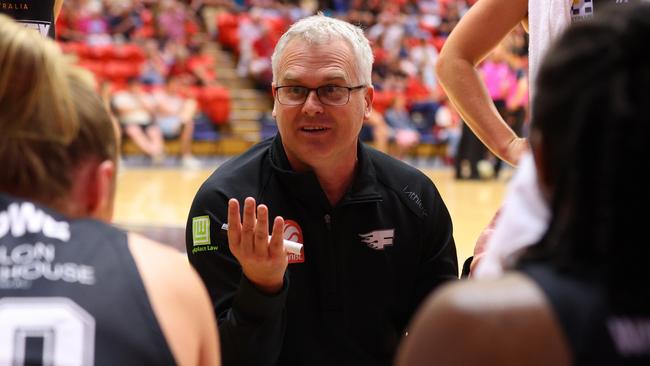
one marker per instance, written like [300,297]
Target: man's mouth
[313,129]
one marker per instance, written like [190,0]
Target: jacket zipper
[331,254]
[328,222]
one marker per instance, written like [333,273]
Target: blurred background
[189,83]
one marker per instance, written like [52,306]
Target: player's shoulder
[513,297]
[162,267]
[179,300]
[499,318]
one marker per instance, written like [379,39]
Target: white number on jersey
[67,330]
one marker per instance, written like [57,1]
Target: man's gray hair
[318,30]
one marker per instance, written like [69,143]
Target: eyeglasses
[332,95]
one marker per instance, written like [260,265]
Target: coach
[377,235]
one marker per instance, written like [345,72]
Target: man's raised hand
[263,259]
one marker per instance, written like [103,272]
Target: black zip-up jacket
[351,299]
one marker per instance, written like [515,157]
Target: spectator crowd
[157,57]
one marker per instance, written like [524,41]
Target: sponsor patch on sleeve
[201,230]
[201,235]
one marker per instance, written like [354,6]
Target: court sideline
[155,203]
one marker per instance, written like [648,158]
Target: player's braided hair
[592,113]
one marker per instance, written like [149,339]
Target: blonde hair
[33,91]
[50,117]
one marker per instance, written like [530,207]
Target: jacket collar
[305,185]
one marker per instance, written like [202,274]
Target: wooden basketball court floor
[155,202]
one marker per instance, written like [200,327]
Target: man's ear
[274,99]
[370,96]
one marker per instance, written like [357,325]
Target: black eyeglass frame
[309,90]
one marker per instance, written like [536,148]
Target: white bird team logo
[378,239]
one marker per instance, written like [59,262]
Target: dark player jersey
[586,9]
[70,293]
[596,333]
[34,14]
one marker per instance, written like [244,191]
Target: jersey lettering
[631,336]
[19,219]
[43,28]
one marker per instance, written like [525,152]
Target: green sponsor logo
[201,230]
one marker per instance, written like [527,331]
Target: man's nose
[312,104]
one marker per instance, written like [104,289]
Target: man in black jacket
[377,235]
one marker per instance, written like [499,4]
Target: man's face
[315,134]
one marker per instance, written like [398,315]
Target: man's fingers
[248,226]
[262,232]
[234,225]
[277,246]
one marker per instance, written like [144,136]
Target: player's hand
[481,243]
[263,260]
[516,150]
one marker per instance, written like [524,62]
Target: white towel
[523,220]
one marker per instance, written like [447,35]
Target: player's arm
[478,32]
[503,322]
[179,301]
[58,4]
[251,322]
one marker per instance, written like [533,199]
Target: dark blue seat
[204,129]
[268,127]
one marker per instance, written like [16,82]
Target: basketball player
[580,296]
[73,289]
[524,215]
